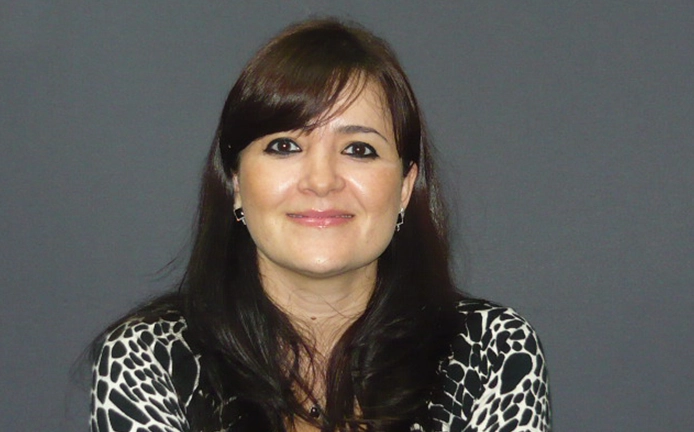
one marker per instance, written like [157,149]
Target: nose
[321,174]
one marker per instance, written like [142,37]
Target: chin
[321,271]
[327,268]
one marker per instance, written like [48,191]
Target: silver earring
[240,217]
[401,220]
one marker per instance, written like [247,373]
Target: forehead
[364,103]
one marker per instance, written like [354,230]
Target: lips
[321,218]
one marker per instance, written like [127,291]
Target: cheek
[381,192]
[263,188]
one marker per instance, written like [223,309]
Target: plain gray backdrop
[564,131]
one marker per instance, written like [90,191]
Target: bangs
[307,75]
[303,97]
[294,83]
[299,77]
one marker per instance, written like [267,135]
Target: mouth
[321,218]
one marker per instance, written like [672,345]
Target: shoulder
[143,332]
[496,370]
[152,342]
[486,323]
[142,365]
[494,338]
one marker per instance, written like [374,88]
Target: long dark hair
[383,370]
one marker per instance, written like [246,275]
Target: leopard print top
[495,377]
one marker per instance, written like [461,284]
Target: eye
[282,146]
[360,150]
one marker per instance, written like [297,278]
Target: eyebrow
[354,129]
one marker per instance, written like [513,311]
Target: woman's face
[325,203]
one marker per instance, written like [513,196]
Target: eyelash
[274,147]
[367,148]
[368,152]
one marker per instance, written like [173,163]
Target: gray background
[564,130]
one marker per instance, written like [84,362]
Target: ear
[237,191]
[408,185]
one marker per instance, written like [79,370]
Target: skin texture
[321,207]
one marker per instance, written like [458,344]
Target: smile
[321,219]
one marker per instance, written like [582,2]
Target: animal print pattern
[144,378]
[495,377]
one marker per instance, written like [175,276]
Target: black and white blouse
[495,377]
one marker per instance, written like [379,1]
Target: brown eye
[282,146]
[360,150]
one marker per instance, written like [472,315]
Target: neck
[321,307]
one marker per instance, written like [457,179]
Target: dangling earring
[240,217]
[401,220]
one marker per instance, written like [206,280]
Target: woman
[318,294]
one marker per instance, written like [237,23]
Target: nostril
[322,178]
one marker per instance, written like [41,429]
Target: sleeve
[515,390]
[132,387]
